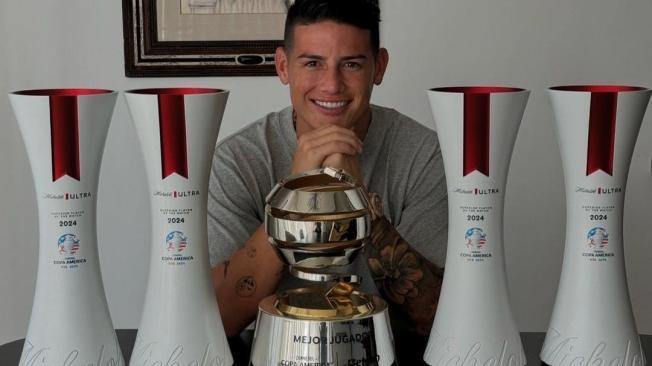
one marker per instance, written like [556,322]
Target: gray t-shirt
[400,161]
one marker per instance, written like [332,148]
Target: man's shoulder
[401,126]
[257,134]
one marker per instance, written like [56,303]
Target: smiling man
[331,61]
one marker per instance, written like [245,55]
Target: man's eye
[311,63]
[352,65]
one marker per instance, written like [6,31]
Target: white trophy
[592,322]
[64,131]
[180,324]
[477,128]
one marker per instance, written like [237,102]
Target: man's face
[331,70]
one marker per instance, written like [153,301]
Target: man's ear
[282,65]
[382,59]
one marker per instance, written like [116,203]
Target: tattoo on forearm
[246,286]
[403,275]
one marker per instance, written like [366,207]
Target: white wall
[527,43]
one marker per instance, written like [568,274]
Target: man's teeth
[330,105]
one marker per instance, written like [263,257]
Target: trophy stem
[64,131]
[592,320]
[177,129]
[477,128]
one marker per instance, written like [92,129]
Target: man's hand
[348,163]
[332,144]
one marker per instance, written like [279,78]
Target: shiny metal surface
[280,340]
[322,231]
[342,301]
[323,275]
[314,201]
[317,192]
[317,219]
[310,259]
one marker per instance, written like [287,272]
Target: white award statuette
[477,128]
[592,322]
[64,131]
[180,324]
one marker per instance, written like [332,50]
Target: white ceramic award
[592,322]
[180,324]
[477,128]
[64,131]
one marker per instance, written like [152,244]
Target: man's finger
[323,131]
[335,147]
[354,141]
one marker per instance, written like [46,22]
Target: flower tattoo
[404,277]
[397,270]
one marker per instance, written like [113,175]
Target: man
[331,60]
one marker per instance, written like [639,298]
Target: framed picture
[202,37]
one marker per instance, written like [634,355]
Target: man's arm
[248,276]
[405,278]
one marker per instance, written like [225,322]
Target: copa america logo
[475,238]
[176,241]
[598,238]
[68,244]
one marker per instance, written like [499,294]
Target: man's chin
[325,121]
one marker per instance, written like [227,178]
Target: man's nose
[332,81]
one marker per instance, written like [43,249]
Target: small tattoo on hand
[246,286]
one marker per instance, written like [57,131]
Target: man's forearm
[405,278]
[250,274]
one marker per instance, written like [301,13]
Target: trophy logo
[68,244]
[598,238]
[475,238]
[176,242]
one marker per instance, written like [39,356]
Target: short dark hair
[363,14]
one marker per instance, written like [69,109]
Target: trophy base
[284,340]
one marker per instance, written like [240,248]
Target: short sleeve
[232,212]
[424,216]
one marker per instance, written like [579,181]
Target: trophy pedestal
[282,339]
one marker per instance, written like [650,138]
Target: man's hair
[363,14]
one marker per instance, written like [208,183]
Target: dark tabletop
[240,347]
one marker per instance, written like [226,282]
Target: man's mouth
[331,105]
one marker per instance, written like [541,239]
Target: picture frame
[165,38]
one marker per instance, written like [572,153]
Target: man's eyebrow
[318,57]
[310,56]
[356,57]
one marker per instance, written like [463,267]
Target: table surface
[240,347]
